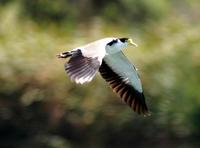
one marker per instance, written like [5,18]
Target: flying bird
[106,56]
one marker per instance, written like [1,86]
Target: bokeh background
[41,108]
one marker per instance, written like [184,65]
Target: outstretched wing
[124,80]
[81,69]
[85,61]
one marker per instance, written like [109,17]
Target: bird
[106,57]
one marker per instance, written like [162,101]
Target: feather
[124,81]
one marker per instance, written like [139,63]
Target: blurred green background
[41,108]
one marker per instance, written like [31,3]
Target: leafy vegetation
[40,107]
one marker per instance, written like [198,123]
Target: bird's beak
[130,41]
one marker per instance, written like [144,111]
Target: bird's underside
[122,76]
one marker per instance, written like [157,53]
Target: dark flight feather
[79,66]
[127,93]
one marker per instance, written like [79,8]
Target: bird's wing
[124,80]
[81,69]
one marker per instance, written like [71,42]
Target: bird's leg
[64,54]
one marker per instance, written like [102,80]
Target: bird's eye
[123,40]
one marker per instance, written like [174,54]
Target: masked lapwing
[106,56]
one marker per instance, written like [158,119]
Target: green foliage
[45,10]
[4,2]
[40,107]
[112,10]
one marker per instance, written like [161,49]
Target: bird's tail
[64,54]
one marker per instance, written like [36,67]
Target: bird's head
[127,41]
[119,44]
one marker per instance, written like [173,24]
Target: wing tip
[147,114]
[83,80]
[135,100]
[139,105]
[144,112]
